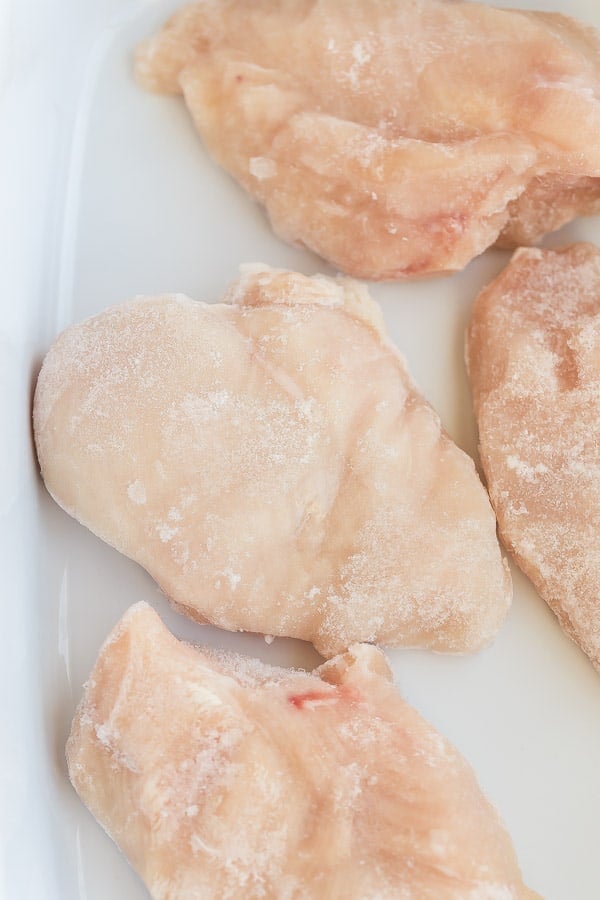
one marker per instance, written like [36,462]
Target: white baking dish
[106,192]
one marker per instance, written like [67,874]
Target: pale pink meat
[221,777]
[269,461]
[533,353]
[395,139]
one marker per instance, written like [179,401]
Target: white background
[106,192]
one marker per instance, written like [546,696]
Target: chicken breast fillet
[395,139]
[219,776]
[270,463]
[533,353]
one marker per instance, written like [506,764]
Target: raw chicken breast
[219,776]
[395,139]
[534,358]
[271,464]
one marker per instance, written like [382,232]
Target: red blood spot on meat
[347,693]
[300,700]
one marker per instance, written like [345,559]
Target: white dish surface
[146,211]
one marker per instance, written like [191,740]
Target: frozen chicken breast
[269,461]
[395,139]
[219,776]
[534,359]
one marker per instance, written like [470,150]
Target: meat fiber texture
[395,139]
[534,360]
[269,461]
[219,776]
